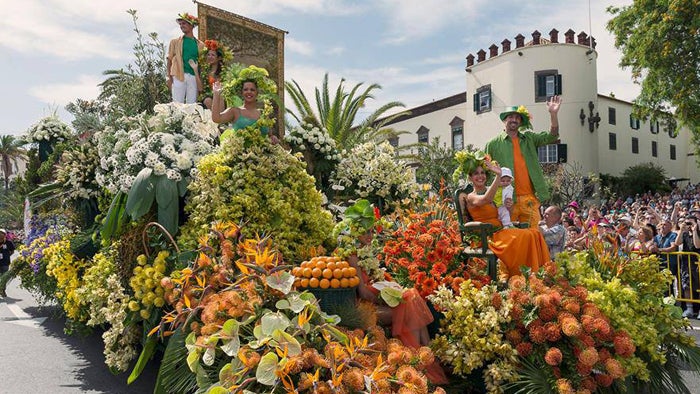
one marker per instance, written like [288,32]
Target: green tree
[339,114]
[642,178]
[141,85]
[10,152]
[659,42]
[436,164]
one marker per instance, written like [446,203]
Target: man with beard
[517,150]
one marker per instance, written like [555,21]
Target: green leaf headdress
[236,75]
[467,162]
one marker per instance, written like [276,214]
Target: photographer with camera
[688,240]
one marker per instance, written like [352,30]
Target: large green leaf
[174,376]
[146,354]
[141,195]
[281,280]
[287,341]
[230,339]
[265,374]
[115,217]
[273,321]
[166,198]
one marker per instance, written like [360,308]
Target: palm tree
[10,151]
[338,114]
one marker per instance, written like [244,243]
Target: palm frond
[533,379]
[174,375]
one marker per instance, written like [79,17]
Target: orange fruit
[354,281]
[313,282]
[297,283]
[316,272]
[324,283]
[321,264]
[330,265]
[306,272]
[296,271]
[328,273]
[304,283]
[338,273]
[346,272]
[344,282]
[353,271]
[342,264]
[335,283]
[304,264]
[335,258]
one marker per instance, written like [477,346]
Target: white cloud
[85,86]
[336,51]
[301,47]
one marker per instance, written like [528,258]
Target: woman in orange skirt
[513,246]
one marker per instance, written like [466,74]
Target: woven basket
[331,300]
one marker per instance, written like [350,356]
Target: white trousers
[185,91]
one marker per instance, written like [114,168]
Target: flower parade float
[215,262]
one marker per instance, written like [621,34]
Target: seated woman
[514,247]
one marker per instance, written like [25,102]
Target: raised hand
[553,104]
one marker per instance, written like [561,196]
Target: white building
[597,131]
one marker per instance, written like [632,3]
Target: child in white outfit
[506,192]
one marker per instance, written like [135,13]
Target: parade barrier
[684,267]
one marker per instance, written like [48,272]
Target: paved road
[38,357]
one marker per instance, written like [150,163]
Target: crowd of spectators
[647,223]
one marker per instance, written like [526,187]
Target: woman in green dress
[239,117]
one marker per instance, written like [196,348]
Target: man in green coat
[517,150]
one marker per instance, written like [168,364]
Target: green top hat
[524,115]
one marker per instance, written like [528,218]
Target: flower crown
[191,19]
[214,45]
[467,162]
[526,116]
[236,75]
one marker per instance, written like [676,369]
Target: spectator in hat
[7,247]
[504,197]
[183,54]
[517,150]
[572,210]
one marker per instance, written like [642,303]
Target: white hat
[505,171]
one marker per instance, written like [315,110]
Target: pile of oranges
[325,272]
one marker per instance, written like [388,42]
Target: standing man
[518,150]
[183,52]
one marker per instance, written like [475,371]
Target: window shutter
[631,122]
[557,85]
[541,85]
[476,102]
[561,153]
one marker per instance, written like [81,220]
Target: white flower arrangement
[307,137]
[47,129]
[370,170]
[170,142]
[76,170]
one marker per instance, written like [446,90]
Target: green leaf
[146,355]
[182,186]
[293,302]
[166,190]
[115,216]
[391,296]
[230,339]
[265,373]
[216,389]
[193,360]
[141,195]
[273,321]
[281,280]
[168,216]
[285,339]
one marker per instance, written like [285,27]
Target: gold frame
[252,43]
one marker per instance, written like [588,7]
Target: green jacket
[501,149]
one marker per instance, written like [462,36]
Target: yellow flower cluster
[148,292]
[95,290]
[66,268]
[472,333]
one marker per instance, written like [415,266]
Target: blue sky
[54,51]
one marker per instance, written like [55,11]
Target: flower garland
[170,142]
[48,129]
